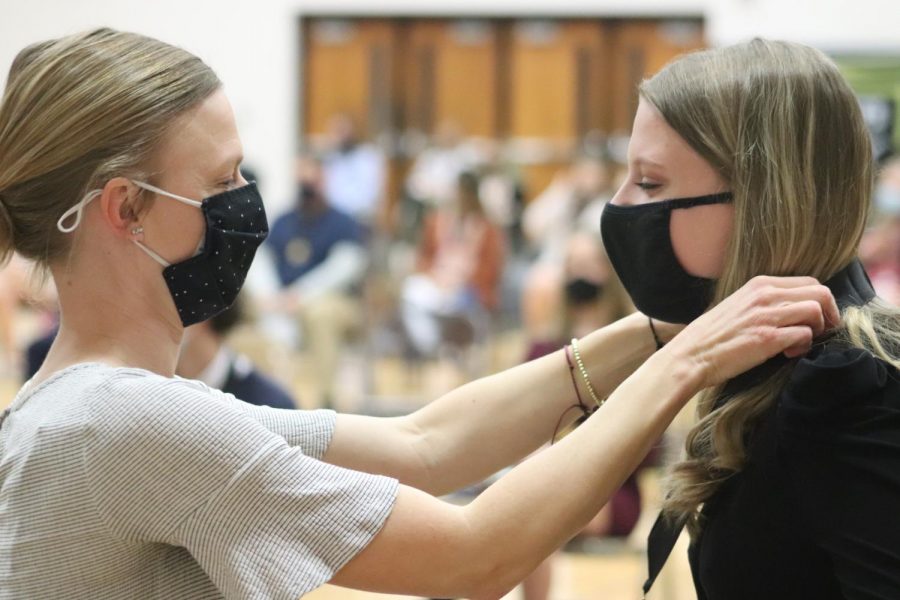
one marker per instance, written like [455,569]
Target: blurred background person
[207,357]
[433,177]
[459,262]
[880,249]
[502,192]
[593,297]
[354,171]
[33,304]
[572,202]
[312,269]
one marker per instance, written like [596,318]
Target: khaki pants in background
[328,322]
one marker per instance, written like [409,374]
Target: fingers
[771,295]
[795,341]
[820,294]
[808,313]
[769,316]
[761,281]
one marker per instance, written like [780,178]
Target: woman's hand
[768,316]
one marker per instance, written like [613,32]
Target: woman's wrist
[662,330]
[614,352]
[629,336]
[685,371]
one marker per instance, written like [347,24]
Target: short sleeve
[839,440]
[169,463]
[309,430]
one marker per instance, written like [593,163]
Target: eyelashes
[647,186]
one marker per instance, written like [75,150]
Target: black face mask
[581,291]
[207,283]
[639,245]
[308,192]
[307,196]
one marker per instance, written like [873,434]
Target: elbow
[494,581]
[479,561]
[492,567]
[423,470]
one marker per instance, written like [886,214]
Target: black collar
[851,286]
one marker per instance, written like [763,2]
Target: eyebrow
[649,163]
[233,162]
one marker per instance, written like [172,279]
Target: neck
[119,322]
[311,210]
[198,351]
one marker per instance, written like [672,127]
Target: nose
[622,196]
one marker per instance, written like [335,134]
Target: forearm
[547,499]
[490,423]
[427,546]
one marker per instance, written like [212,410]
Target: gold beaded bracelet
[584,373]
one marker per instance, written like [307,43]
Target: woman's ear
[119,204]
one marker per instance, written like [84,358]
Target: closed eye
[647,186]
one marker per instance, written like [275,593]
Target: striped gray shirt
[119,483]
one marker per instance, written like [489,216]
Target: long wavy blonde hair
[783,127]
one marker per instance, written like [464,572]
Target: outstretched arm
[479,428]
[428,547]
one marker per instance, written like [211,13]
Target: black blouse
[815,513]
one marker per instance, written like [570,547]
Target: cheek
[700,236]
[178,230]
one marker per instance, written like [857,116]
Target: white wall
[253,46]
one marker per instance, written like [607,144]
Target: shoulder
[284,222]
[337,216]
[133,406]
[132,384]
[336,219]
[839,373]
[839,388]
[839,447]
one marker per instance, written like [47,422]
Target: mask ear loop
[156,190]
[78,211]
[152,254]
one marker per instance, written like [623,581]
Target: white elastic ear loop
[188,201]
[78,211]
[152,254]
[156,190]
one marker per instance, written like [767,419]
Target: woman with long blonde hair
[792,475]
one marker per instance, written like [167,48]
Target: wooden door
[452,74]
[640,49]
[558,93]
[350,68]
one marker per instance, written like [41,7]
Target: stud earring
[137,231]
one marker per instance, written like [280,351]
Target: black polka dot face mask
[208,282]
